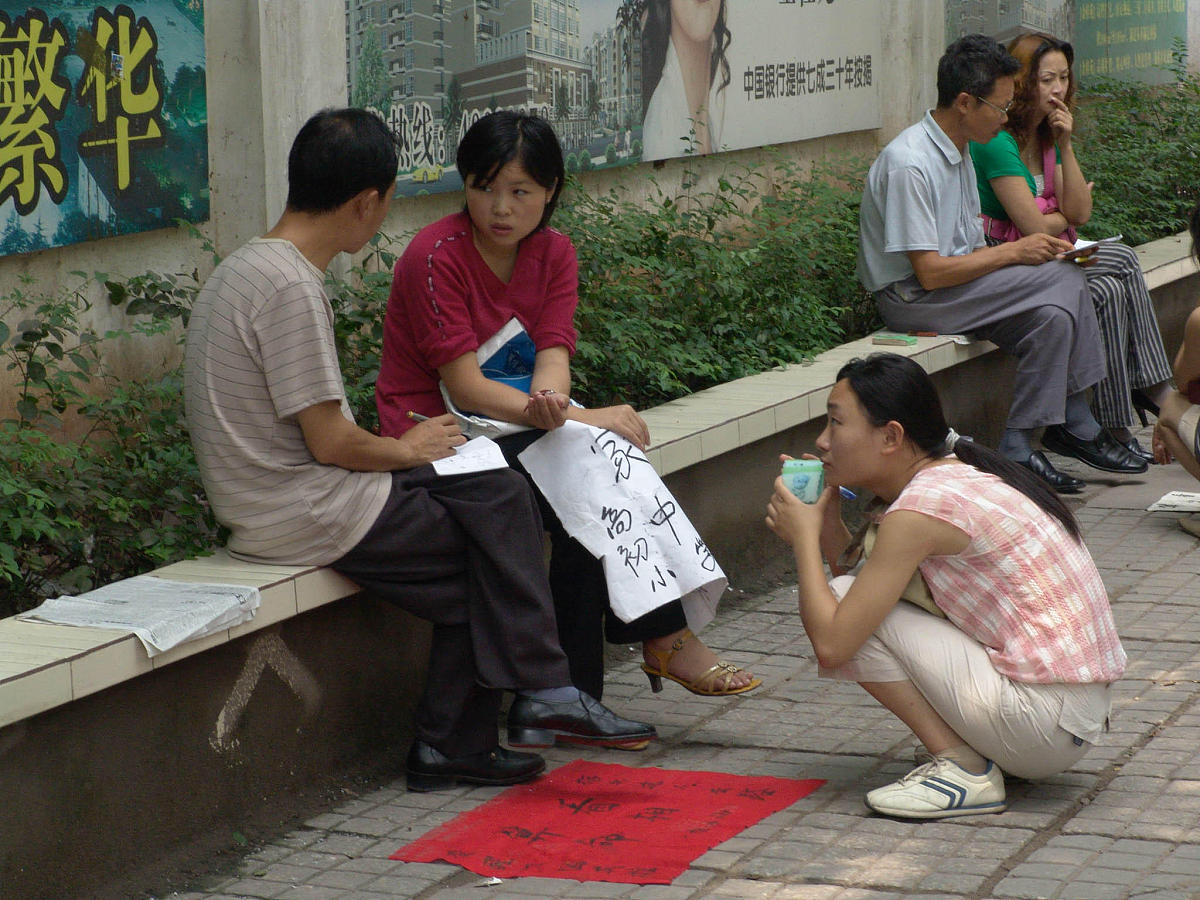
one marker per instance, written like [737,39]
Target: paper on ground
[476,455]
[611,500]
[162,613]
[1176,501]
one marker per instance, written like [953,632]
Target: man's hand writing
[432,439]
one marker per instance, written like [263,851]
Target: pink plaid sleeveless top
[1023,587]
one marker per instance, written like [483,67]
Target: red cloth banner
[600,822]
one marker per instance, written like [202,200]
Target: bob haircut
[893,388]
[338,154]
[1028,50]
[971,65]
[501,137]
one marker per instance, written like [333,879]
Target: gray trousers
[465,553]
[1042,315]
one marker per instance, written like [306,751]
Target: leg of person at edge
[922,253]
[1015,675]
[1177,431]
[298,482]
[458,282]
[1036,143]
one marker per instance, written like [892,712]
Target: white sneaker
[938,789]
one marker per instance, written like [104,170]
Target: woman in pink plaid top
[1010,671]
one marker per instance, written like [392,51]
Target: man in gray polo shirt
[922,253]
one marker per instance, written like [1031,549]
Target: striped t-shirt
[1023,587]
[260,350]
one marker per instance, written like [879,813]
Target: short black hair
[971,65]
[500,137]
[338,154]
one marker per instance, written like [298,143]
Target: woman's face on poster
[695,19]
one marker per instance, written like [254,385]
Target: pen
[416,416]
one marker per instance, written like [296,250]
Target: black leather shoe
[1102,452]
[540,723]
[430,770]
[1137,449]
[1040,466]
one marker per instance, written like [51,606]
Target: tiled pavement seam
[1124,822]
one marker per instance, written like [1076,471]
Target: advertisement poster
[622,81]
[1128,39]
[1131,39]
[103,120]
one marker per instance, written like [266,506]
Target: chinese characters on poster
[1127,39]
[103,120]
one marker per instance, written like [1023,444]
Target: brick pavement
[1123,823]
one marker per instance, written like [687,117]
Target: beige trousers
[1029,730]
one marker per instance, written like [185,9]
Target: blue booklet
[508,356]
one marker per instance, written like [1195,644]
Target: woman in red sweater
[457,284]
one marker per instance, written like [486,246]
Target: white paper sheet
[162,613]
[1176,501]
[611,500]
[476,455]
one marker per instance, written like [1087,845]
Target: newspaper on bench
[162,613]
[610,499]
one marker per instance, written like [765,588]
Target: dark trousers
[580,593]
[465,553]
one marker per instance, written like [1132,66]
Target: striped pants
[1133,347]
[1133,350]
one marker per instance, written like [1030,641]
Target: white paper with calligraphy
[611,500]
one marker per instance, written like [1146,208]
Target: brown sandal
[704,685]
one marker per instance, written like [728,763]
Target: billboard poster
[622,81]
[1127,39]
[103,120]
[1131,39]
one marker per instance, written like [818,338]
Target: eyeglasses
[1003,110]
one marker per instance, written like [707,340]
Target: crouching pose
[1015,678]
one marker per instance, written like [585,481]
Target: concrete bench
[43,665]
[717,450]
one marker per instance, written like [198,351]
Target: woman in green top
[1030,182]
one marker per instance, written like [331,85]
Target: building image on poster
[1127,39]
[103,120]
[621,81]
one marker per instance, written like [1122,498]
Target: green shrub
[688,291]
[359,303]
[125,496]
[1140,144]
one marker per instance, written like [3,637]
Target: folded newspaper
[162,613]
[1176,501]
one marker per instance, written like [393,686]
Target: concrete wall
[272,63]
[116,782]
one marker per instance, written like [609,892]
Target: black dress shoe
[430,770]
[1137,449]
[1040,466]
[1102,452]
[540,723]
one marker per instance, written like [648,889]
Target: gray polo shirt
[920,194]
